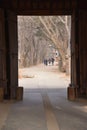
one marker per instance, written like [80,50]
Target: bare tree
[32,48]
[58,30]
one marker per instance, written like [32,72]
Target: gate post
[73,89]
[3,71]
[12,53]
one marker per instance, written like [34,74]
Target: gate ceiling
[41,7]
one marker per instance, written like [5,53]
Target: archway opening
[44,50]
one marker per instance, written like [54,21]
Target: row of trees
[37,32]
[32,48]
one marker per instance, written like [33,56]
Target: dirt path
[48,74]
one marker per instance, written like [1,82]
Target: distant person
[45,62]
[49,61]
[52,59]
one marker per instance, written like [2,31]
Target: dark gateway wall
[9,41]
